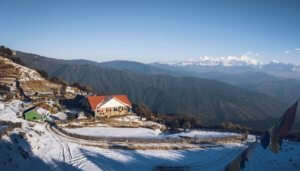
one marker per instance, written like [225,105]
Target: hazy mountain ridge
[275,79]
[213,101]
[282,88]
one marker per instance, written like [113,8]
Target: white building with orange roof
[108,106]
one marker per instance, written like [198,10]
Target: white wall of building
[112,103]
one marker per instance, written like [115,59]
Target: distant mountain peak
[226,61]
[231,62]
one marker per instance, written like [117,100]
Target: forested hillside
[213,102]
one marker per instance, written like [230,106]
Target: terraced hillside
[21,80]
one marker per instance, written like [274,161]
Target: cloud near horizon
[292,51]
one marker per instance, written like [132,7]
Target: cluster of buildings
[20,82]
[101,107]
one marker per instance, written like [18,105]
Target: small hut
[33,115]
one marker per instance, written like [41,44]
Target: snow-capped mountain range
[234,64]
[230,61]
[226,61]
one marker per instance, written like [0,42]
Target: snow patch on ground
[143,132]
[115,132]
[204,134]
[128,118]
[9,111]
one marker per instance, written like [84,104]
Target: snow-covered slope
[143,132]
[115,132]
[287,160]
[38,149]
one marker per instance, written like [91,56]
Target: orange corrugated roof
[95,100]
[123,98]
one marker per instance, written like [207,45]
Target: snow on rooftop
[42,111]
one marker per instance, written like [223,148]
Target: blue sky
[153,30]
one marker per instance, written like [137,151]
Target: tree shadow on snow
[16,154]
[114,160]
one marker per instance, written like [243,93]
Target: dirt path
[65,152]
[104,143]
[139,143]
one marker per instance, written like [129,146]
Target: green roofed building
[32,115]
